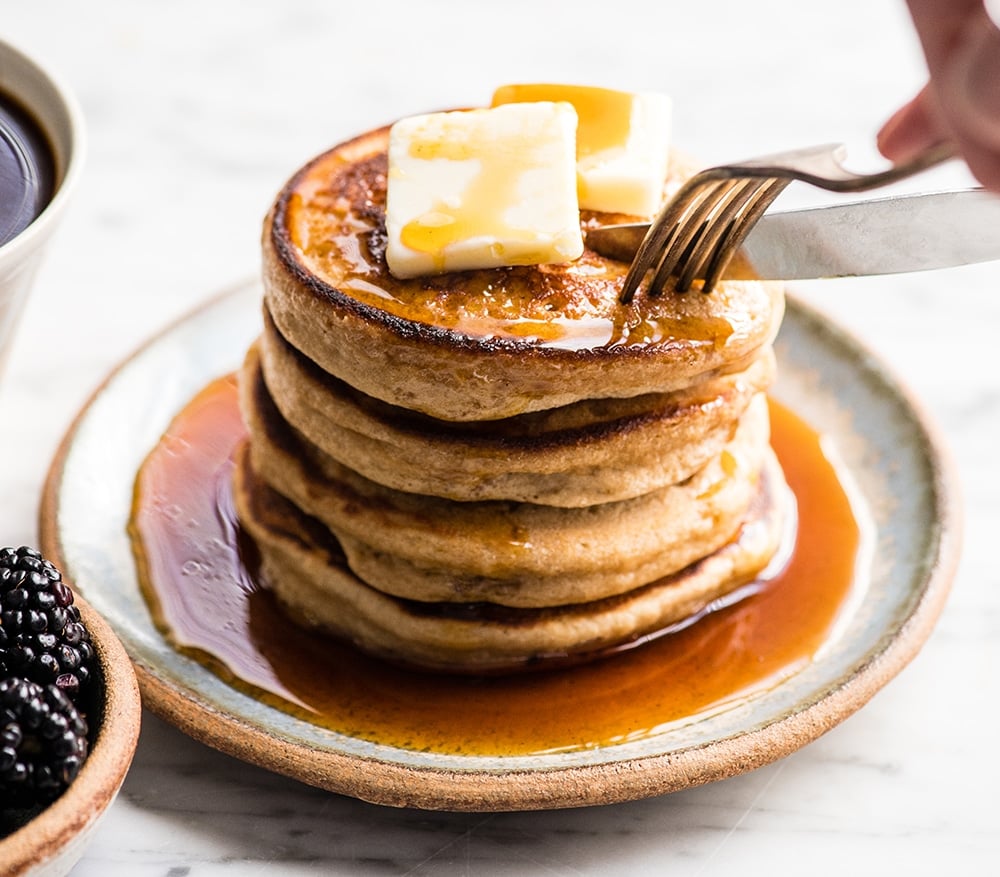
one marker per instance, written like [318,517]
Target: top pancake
[484,344]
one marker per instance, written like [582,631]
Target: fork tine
[743,191]
[701,232]
[738,229]
[665,224]
[672,231]
[685,234]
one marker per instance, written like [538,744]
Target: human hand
[961,101]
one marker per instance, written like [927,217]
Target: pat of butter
[483,188]
[623,143]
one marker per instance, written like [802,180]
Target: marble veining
[197,113]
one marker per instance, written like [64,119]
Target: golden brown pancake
[594,451]
[518,554]
[485,344]
[306,569]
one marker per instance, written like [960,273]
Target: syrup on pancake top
[429,296]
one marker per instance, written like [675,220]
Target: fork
[702,226]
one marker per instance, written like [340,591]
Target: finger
[913,128]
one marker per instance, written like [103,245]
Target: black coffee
[27,169]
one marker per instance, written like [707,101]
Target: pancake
[518,554]
[595,451]
[484,344]
[306,569]
[488,469]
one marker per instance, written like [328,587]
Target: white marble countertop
[197,113]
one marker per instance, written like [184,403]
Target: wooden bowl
[52,842]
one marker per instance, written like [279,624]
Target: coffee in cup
[41,153]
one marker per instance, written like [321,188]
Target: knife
[890,235]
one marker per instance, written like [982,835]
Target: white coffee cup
[54,108]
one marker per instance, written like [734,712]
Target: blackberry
[41,635]
[43,742]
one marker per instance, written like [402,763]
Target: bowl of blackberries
[69,717]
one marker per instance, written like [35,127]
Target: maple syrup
[197,575]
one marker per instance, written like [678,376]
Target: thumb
[913,128]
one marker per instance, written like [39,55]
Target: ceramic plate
[885,443]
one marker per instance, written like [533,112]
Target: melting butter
[623,143]
[483,188]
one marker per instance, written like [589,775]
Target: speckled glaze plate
[897,466]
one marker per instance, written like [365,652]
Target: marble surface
[197,113]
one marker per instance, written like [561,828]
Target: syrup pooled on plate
[199,583]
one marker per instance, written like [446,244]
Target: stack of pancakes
[483,470]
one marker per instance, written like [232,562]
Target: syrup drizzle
[204,598]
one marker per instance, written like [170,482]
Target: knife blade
[892,235]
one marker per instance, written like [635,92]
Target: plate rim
[431,787]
